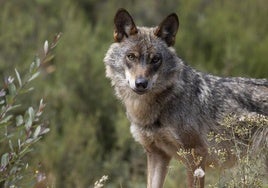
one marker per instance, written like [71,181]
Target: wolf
[172,106]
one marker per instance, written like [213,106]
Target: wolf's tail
[260,142]
[260,139]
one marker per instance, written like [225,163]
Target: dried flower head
[199,173]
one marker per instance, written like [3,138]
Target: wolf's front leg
[157,166]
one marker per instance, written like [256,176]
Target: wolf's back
[240,95]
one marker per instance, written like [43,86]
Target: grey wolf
[170,105]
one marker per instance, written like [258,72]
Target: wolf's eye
[156,59]
[131,57]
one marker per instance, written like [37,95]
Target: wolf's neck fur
[144,110]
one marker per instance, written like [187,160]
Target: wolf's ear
[124,25]
[168,28]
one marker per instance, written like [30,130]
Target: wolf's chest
[162,138]
[142,112]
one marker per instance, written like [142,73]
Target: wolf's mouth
[140,91]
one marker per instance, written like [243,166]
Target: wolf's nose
[141,83]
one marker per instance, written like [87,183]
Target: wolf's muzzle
[141,85]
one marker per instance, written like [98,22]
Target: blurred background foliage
[89,134]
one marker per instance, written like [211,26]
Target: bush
[248,137]
[243,142]
[21,126]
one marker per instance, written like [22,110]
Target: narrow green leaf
[18,77]
[19,120]
[6,119]
[49,58]
[30,89]
[27,147]
[31,113]
[2,102]
[29,118]
[35,64]
[35,75]
[19,144]
[23,91]
[14,107]
[29,140]
[11,145]
[4,124]
[28,124]
[46,130]
[37,131]
[32,67]
[4,160]
[12,89]
[28,121]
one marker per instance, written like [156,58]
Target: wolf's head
[142,59]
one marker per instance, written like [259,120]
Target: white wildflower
[100,182]
[199,173]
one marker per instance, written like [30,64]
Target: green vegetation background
[89,134]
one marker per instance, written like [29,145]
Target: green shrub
[21,126]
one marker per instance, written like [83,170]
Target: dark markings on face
[148,62]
